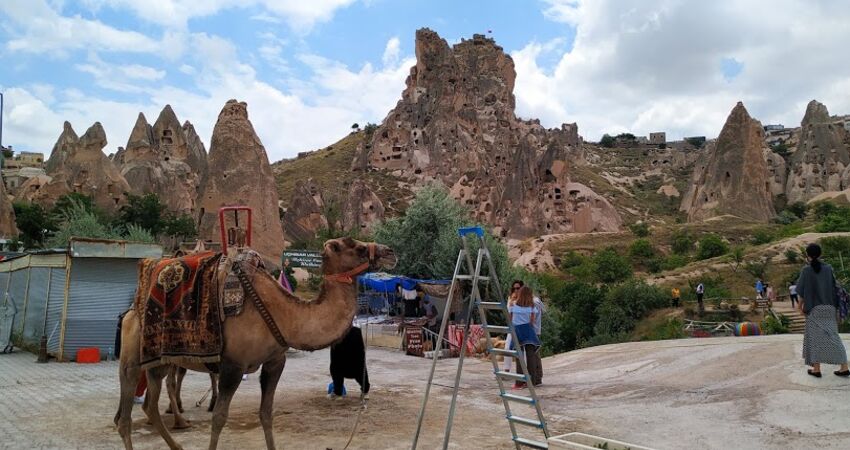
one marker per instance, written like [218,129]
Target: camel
[249,343]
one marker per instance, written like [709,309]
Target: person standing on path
[512,299]
[770,294]
[759,288]
[821,342]
[522,317]
[792,293]
[675,295]
[700,292]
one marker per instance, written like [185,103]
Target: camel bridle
[347,277]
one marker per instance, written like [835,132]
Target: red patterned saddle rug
[179,309]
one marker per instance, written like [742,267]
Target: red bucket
[88,355]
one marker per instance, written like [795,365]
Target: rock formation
[822,160]
[7,215]
[733,178]
[306,214]
[777,171]
[361,208]
[79,165]
[166,159]
[455,123]
[239,174]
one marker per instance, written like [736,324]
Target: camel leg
[129,375]
[229,378]
[173,385]
[269,378]
[181,373]
[155,377]
[214,387]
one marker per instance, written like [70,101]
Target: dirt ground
[700,393]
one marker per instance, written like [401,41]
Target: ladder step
[504,352]
[518,398]
[469,277]
[530,443]
[511,376]
[524,421]
[497,329]
[491,305]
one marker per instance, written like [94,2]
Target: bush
[757,268]
[770,325]
[736,258]
[639,229]
[785,218]
[798,209]
[837,220]
[836,252]
[682,242]
[672,328]
[33,222]
[641,249]
[627,303]
[607,141]
[793,256]
[673,262]
[77,221]
[822,209]
[571,316]
[605,339]
[762,236]
[710,246]
[610,267]
[572,259]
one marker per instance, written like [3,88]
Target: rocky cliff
[239,174]
[733,176]
[305,214]
[822,160]
[455,123]
[361,209]
[166,159]
[79,165]
[7,215]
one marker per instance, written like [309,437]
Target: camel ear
[348,241]
[333,246]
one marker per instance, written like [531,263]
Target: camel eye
[362,251]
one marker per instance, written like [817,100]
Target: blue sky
[310,69]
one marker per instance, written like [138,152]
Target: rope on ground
[201,401]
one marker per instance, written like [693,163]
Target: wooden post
[64,319]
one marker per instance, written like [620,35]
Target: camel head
[346,254]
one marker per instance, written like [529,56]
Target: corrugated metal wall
[54,310]
[17,292]
[101,288]
[36,303]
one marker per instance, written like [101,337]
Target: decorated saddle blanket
[232,295]
[179,310]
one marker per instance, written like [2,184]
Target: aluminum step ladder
[467,272]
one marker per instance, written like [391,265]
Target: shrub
[792,256]
[682,242]
[770,325]
[639,229]
[822,209]
[672,262]
[786,217]
[762,236]
[836,252]
[672,328]
[837,220]
[33,222]
[571,316]
[610,267]
[798,209]
[572,259]
[757,268]
[627,303]
[641,249]
[605,339]
[710,246]
[736,258]
[607,141]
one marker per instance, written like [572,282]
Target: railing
[712,328]
[433,338]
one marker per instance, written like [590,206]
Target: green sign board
[307,259]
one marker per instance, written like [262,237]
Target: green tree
[682,242]
[34,223]
[611,267]
[179,226]
[837,219]
[736,258]
[68,201]
[762,236]
[710,246]
[797,208]
[146,211]
[607,141]
[425,238]
[641,250]
[77,221]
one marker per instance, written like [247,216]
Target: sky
[310,69]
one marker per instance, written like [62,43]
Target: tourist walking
[759,288]
[522,317]
[770,294]
[821,343]
[700,293]
[512,298]
[792,293]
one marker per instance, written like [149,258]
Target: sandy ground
[718,393]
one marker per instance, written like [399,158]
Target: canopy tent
[379,290]
[384,282]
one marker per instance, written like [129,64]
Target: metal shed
[73,296]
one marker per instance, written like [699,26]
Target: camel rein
[347,277]
[258,303]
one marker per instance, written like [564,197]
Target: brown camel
[248,343]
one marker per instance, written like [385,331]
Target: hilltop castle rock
[239,174]
[822,160]
[79,165]
[733,177]
[455,123]
[7,215]
[166,159]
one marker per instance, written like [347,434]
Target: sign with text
[307,259]
[414,340]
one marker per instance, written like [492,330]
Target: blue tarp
[384,282]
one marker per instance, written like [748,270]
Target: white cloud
[133,78]
[650,65]
[40,29]
[391,52]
